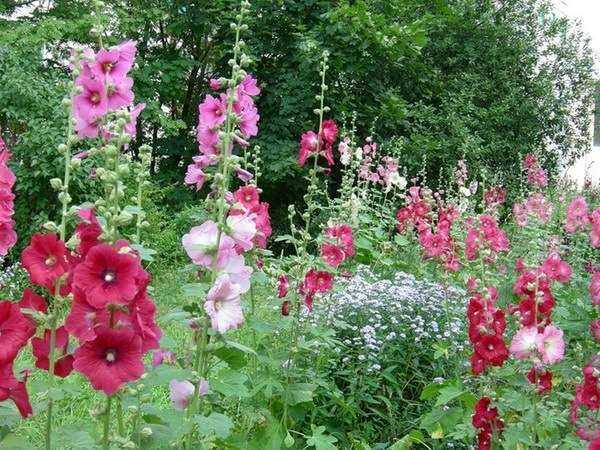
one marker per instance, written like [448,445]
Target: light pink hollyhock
[195,176]
[557,269]
[550,344]
[520,214]
[243,175]
[201,244]
[223,305]
[131,126]
[332,254]
[242,230]
[212,112]
[214,84]
[249,86]
[239,273]
[248,117]
[181,392]
[577,215]
[93,100]
[524,343]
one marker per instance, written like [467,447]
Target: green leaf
[230,383]
[320,440]
[300,393]
[216,423]
[196,290]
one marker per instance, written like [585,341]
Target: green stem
[105,440]
[120,426]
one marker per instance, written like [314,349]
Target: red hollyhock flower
[41,350]
[594,445]
[13,389]
[84,318]
[45,259]
[107,276]
[142,311]
[30,300]
[317,281]
[15,331]
[111,360]
[543,380]
[247,196]
[88,231]
[332,254]
[493,349]
[283,285]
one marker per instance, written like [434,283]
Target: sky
[588,12]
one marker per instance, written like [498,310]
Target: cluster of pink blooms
[535,206]
[438,243]
[580,219]
[212,114]
[312,143]
[111,315]
[415,213]
[536,176]
[538,341]
[339,245]
[586,404]
[368,154]
[105,87]
[8,237]
[484,234]
[494,196]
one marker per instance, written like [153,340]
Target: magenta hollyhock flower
[93,101]
[41,350]
[107,276]
[248,196]
[86,127]
[283,284]
[594,289]
[7,177]
[181,392]
[524,343]
[208,141]
[201,244]
[83,318]
[15,331]
[119,93]
[13,389]
[550,344]
[115,62]
[6,205]
[242,230]
[214,84]
[332,254]
[32,302]
[212,111]
[131,126]
[88,231]
[308,145]
[329,130]
[141,317]
[557,269]
[161,356]
[45,259]
[223,305]
[195,176]
[577,215]
[8,237]
[112,359]
[249,86]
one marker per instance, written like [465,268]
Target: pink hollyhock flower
[6,205]
[332,254]
[343,236]
[181,392]
[243,175]
[595,329]
[249,86]
[107,276]
[41,350]
[248,118]
[223,305]
[195,176]
[13,389]
[557,269]
[15,331]
[45,260]
[115,62]
[119,93]
[93,101]
[234,267]
[161,356]
[86,127]
[595,289]
[131,126]
[524,343]
[201,244]
[283,284]
[112,359]
[550,344]
[208,140]
[308,144]
[214,84]
[7,177]
[212,112]
[260,215]
[242,230]
[8,237]
[32,302]
[538,178]
[329,130]
[577,215]
[520,214]
[247,196]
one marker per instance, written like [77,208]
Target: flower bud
[56,184]
[146,431]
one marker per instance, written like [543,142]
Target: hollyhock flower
[595,289]
[161,356]
[343,236]
[493,349]
[243,175]
[260,215]
[107,276]
[7,177]
[557,269]
[45,260]
[181,392]
[86,127]
[33,302]
[248,196]
[208,141]
[88,231]
[242,230]
[285,308]
[142,311]
[550,344]
[8,237]
[318,281]
[332,254]
[234,267]
[13,389]
[329,130]
[41,350]
[577,215]
[112,359]
[595,329]
[201,244]
[249,86]
[115,62]
[119,93]
[131,126]
[83,318]
[524,343]
[6,205]
[308,144]
[93,100]
[195,176]
[283,285]
[212,111]
[542,379]
[248,119]
[214,84]
[15,331]
[223,305]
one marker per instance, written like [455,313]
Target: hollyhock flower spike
[223,305]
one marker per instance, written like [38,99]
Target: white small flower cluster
[11,280]
[370,314]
